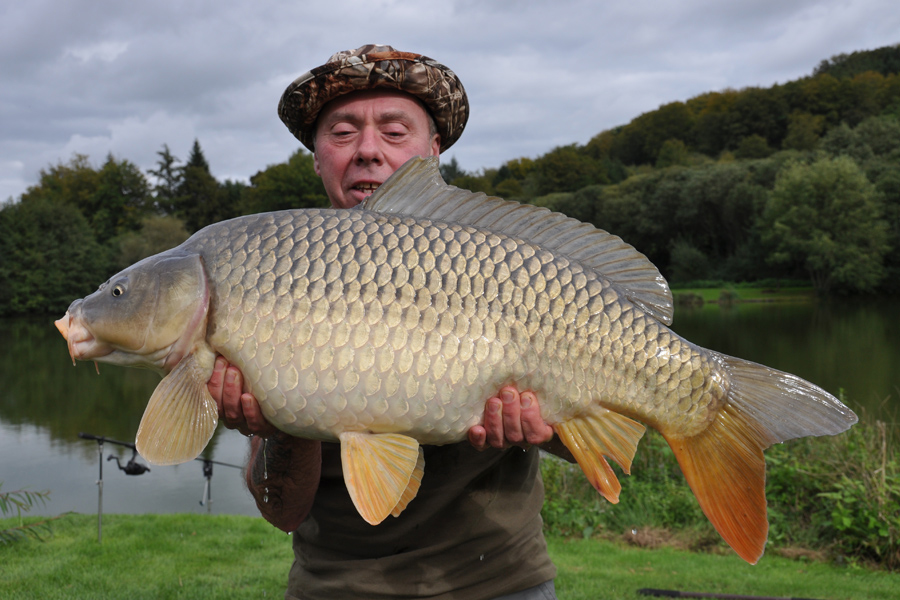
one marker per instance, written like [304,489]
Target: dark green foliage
[200,199]
[566,169]
[753,146]
[883,60]
[49,256]
[168,178]
[156,235]
[113,199]
[450,170]
[292,184]
[838,495]
[826,218]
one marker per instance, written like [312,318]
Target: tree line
[799,180]
[80,223]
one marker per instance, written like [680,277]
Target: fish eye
[118,290]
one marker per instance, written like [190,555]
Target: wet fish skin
[352,325]
[397,324]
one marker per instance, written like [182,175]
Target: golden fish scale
[348,320]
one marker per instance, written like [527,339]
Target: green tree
[803,131]
[72,183]
[156,235]
[842,140]
[122,199]
[48,257]
[881,134]
[687,263]
[825,217]
[293,184]
[168,179]
[113,199]
[450,170]
[753,146]
[196,158]
[567,169]
[199,199]
[672,153]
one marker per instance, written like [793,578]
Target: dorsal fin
[417,189]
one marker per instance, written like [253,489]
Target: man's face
[363,137]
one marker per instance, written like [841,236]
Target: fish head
[145,316]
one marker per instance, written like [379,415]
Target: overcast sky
[101,76]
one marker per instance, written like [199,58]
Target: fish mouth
[81,342]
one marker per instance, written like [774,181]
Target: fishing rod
[132,467]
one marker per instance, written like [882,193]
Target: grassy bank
[830,498]
[204,557]
[701,292]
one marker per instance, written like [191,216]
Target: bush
[836,495]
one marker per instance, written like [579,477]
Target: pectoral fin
[382,472]
[603,432]
[181,416]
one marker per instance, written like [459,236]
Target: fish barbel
[388,326]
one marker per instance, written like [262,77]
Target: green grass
[745,294]
[149,556]
[200,557]
[601,570]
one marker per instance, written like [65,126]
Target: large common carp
[388,326]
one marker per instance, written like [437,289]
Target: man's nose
[369,147]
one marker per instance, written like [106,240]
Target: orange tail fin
[724,464]
[726,470]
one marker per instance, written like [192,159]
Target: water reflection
[847,348]
[45,402]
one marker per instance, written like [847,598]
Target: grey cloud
[108,76]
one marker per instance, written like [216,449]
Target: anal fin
[602,433]
[382,472]
[181,416]
[412,488]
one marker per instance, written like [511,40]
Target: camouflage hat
[370,67]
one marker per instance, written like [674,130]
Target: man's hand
[511,419]
[237,409]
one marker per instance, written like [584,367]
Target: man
[474,529]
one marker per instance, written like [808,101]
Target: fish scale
[388,326]
[438,317]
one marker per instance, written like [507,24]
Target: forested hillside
[798,180]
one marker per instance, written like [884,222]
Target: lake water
[45,402]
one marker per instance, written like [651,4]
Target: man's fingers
[493,423]
[477,437]
[217,381]
[534,429]
[256,423]
[512,417]
[232,409]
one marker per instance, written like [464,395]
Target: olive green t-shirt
[473,531]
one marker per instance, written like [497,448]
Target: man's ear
[316,163]
[436,145]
